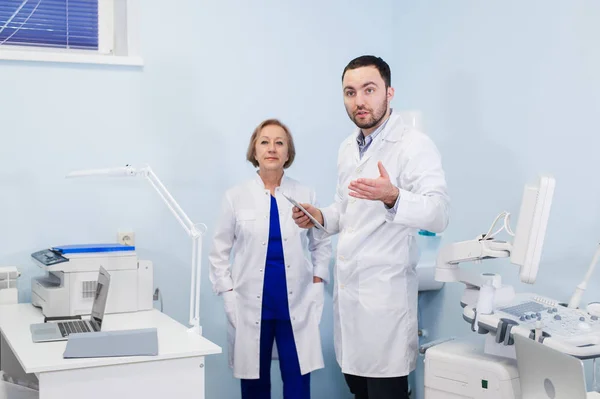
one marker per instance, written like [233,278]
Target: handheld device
[312,219]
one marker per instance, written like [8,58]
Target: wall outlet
[126,237]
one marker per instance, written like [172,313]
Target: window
[88,31]
[71,24]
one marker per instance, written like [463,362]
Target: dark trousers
[295,385]
[378,388]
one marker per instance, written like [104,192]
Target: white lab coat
[243,231]
[375,290]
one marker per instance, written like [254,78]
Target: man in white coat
[390,185]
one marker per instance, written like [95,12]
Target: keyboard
[557,321]
[524,308]
[75,326]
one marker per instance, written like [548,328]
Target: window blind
[69,24]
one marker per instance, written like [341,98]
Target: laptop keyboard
[76,326]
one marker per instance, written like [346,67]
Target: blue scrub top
[275,302]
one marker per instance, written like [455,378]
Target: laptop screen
[101,296]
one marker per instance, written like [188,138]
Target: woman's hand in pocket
[318,289]
[230,307]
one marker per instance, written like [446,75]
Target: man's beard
[373,120]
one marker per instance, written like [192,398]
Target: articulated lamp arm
[196,231]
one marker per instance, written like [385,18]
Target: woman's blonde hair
[250,154]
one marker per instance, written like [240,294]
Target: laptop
[546,373]
[59,331]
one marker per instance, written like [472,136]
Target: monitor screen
[531,227]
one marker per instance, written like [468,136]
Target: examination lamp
[196,231]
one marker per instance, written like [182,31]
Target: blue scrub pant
[295,385]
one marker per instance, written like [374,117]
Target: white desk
[177,371]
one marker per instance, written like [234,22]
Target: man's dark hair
[371,60]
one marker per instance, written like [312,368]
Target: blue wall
[213,71]
[508,90]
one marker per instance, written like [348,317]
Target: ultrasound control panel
[556,320]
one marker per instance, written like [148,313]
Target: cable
[505,226]
[595,386]
[419,320]
[488,234]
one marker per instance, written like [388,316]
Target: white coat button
[291,292]
[256,322]
[258,296]
[260,270]
[285,239]
[341,257]
[293,318]
[266,217]
[264,243]
[288,266]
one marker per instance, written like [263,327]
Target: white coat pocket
[375,289]
[319,298]
[230,307]
[245,215]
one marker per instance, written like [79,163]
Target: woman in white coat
[270,272]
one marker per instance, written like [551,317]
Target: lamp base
[195,330]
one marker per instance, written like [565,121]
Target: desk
[177,371]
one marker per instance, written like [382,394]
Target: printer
[69,285]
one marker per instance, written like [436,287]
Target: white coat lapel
[285,207]
[354,146]
[379,143]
